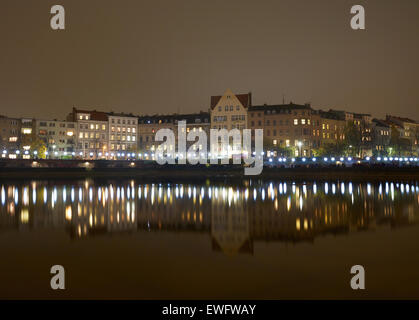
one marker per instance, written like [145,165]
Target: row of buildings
[295,129]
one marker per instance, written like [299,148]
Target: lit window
[295,121]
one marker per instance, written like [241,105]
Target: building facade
[123,129]
[10,132]
[408,130]
[92,133]
[380,137]
[286,126]
[229,111]
[59,137]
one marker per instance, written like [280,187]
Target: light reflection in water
[234,216]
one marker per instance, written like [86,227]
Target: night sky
[158,56]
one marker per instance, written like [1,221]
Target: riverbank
[154,172]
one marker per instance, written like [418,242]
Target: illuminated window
[295,121]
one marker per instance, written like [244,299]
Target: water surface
[255,239]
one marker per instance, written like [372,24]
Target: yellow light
[24,216]
[68,213]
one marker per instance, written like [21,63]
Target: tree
[353,138]
[398,145]
[39,146]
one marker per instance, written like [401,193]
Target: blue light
[325,159]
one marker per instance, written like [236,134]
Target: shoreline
[153,172]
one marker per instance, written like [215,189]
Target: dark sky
[170,56]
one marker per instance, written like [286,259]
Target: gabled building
[408,129]
[229,111]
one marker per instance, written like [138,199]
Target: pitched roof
[389,117]
[244,98]
[381,123]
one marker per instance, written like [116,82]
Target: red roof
[245,99]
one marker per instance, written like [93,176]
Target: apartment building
[10,129]
[332,128]
[195,122]
[285,126]
[363,122]
[408,128]
[147,128]
[59,137]
[123,130]
[149,125]
[92,133]
[229,111]
[381,134]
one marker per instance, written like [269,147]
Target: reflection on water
[235,216]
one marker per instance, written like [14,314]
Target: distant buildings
[285,126]
[59,136]
[92,132]
[10,134]
[296,130]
